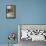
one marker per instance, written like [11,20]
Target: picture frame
[10,11]
[36,32]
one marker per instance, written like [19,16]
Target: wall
[27,12]
[31,11]
[6,25]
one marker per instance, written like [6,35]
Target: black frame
[14,12]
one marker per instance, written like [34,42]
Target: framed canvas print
[32,32]
[10,11]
